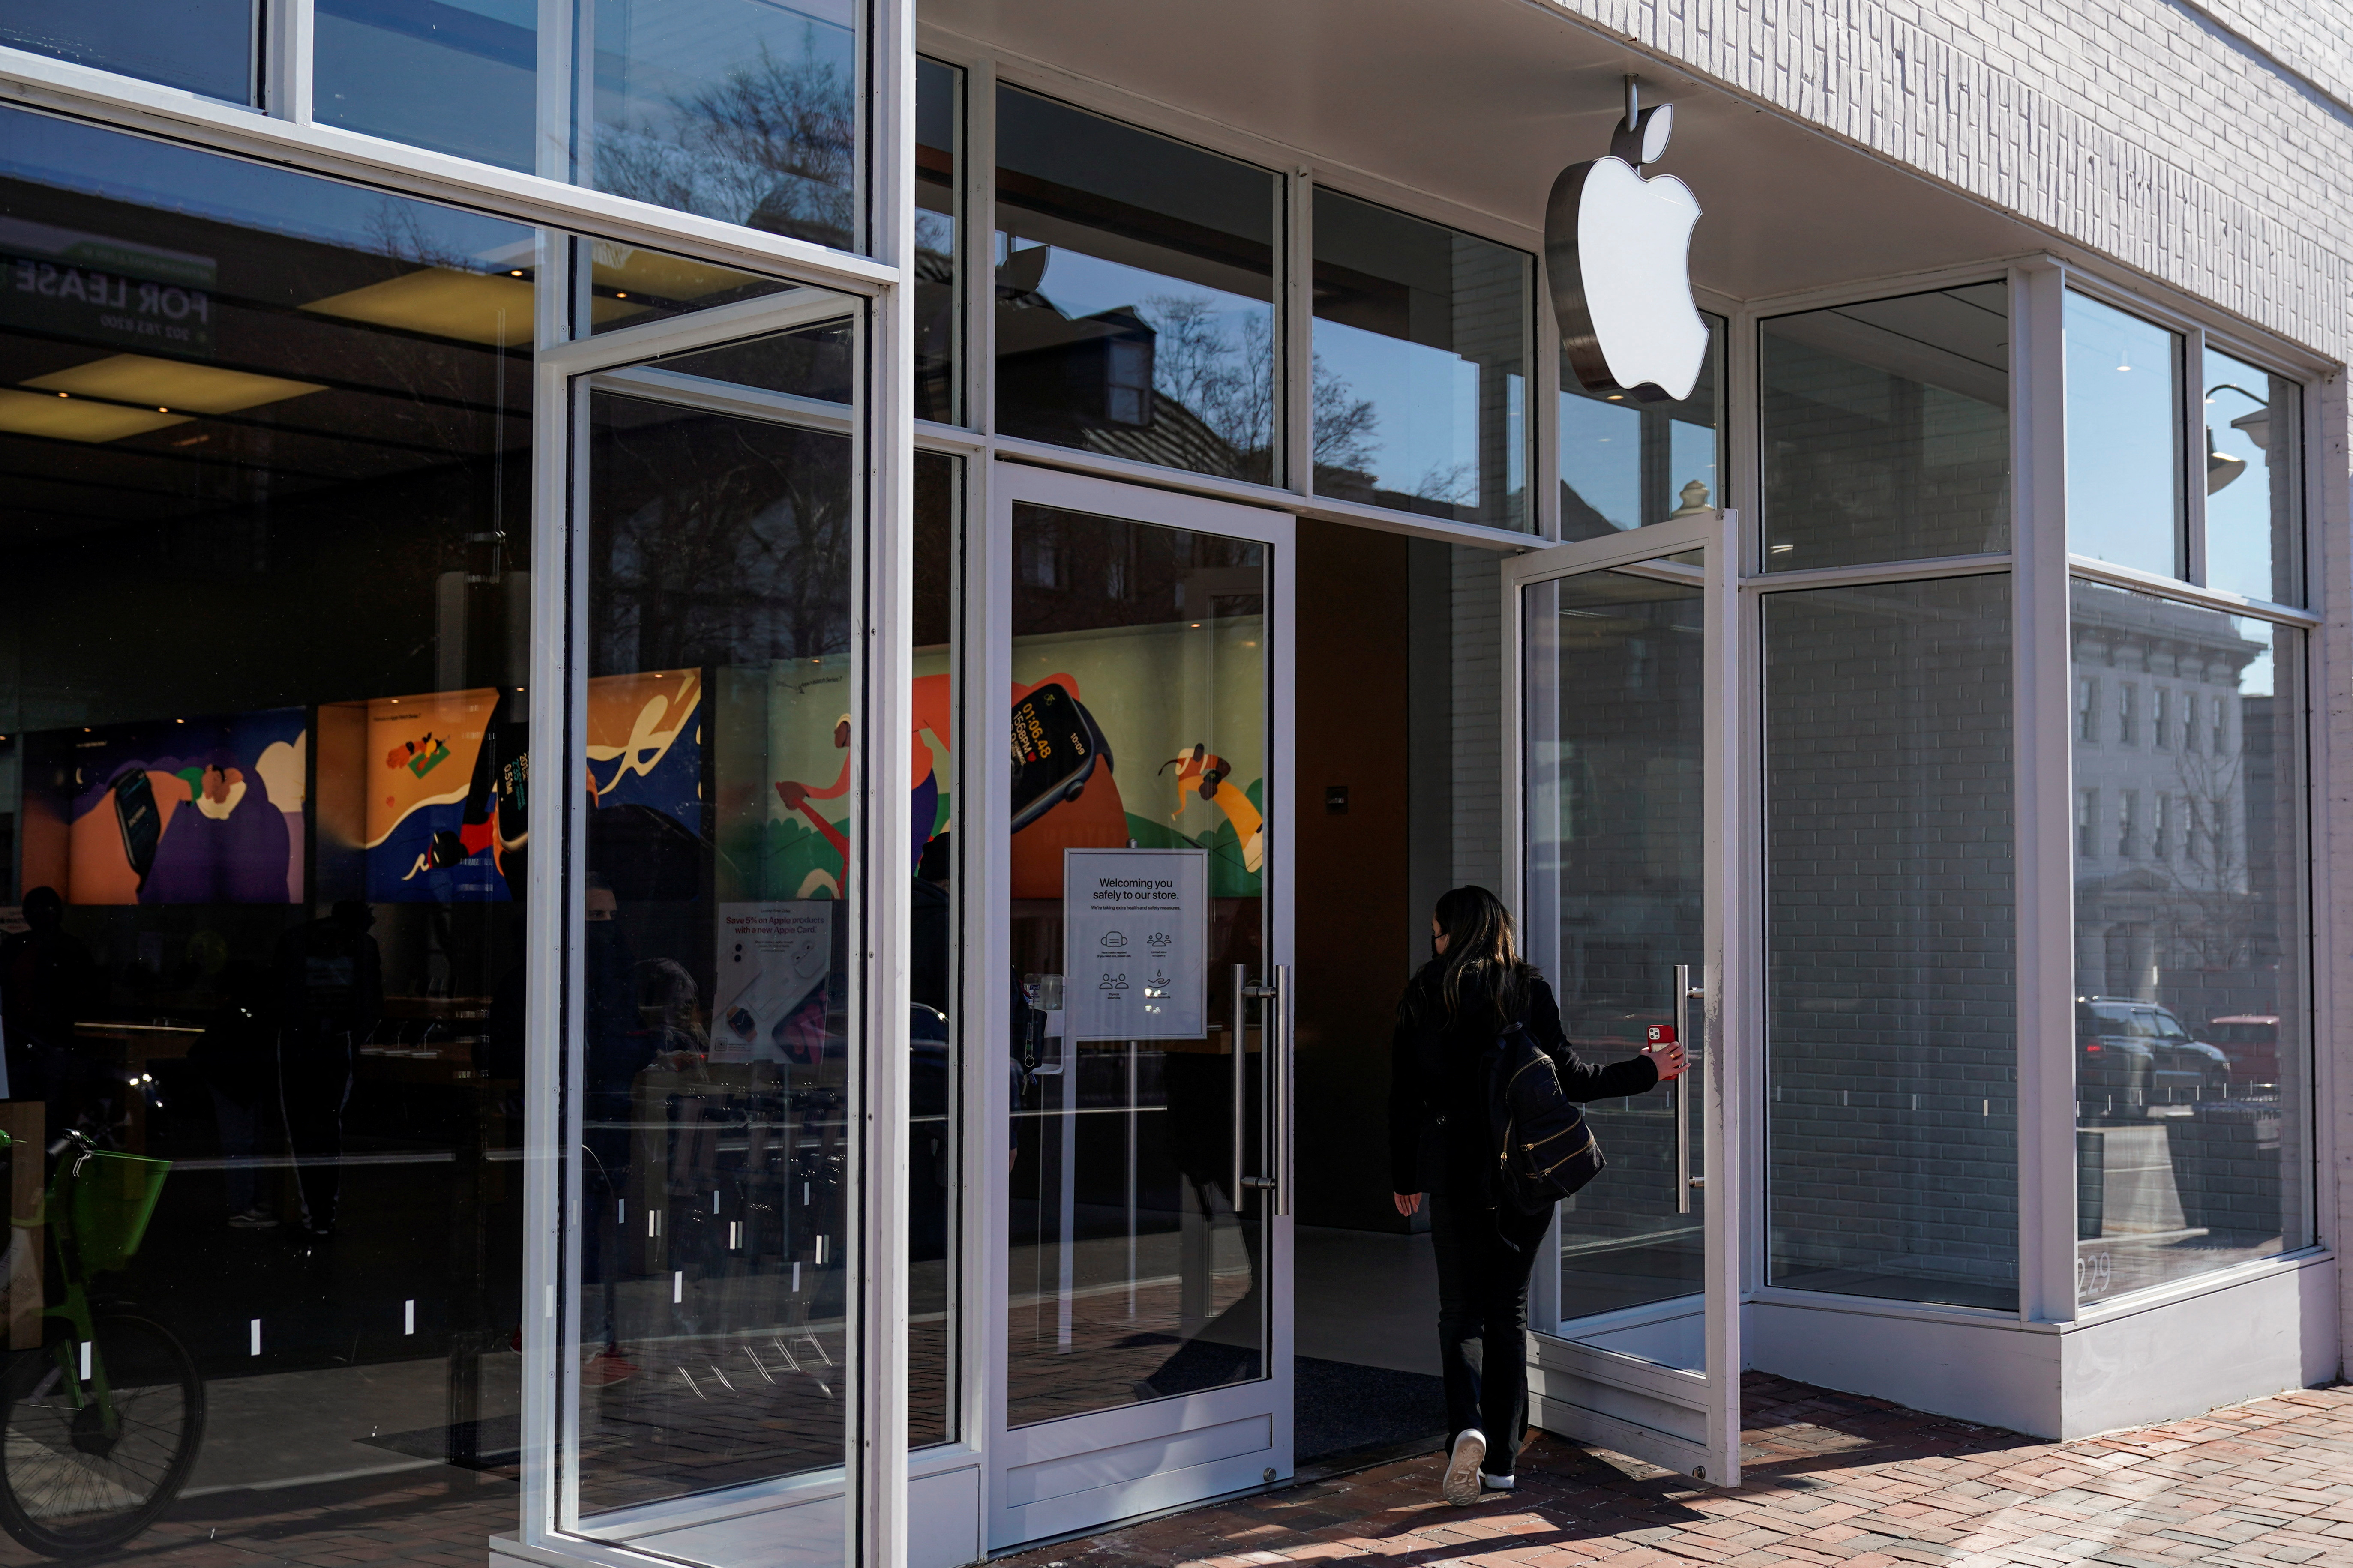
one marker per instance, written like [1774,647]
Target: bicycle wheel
[74,1483]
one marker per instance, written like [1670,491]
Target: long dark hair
[1480,969]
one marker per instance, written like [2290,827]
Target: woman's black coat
[1438,1115]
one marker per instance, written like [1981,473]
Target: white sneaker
[1497,1483]
[1462,1486]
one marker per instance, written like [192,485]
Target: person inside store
[614,1049]
[1451,1025]
[237,1058]
[47,981]
[329,983]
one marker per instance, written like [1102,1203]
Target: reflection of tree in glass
[721,543]
[773,145]
[1345,424]
[1226,380]
[1457,484]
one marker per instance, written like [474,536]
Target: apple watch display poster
[200,810]
[1135,944]
[774,958]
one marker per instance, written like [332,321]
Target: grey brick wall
[1891,1023]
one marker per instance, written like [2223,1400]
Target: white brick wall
[2210,146]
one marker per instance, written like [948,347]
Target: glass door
[704,1294]
[1140,932]
[1629,813]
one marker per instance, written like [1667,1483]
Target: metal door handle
[1278,1071]
[1274,1085]
[1685,995]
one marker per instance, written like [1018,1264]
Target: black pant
[314,1083]
[1483,1301]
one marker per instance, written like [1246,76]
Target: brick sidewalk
[1830,1478]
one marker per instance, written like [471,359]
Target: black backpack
[1543,1150]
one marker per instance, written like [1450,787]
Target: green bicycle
[99,1428]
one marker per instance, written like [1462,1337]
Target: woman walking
[1474,988]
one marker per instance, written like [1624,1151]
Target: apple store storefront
[573,504]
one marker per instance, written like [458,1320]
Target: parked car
[2252,1042]
[2135,1059]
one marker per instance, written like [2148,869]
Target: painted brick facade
[2203,146]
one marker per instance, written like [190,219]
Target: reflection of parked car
[2136,1054]
[2252,1042]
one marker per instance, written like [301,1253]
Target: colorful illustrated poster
[183,811]
[645,784]
[1135,935]
[1173,721]
[431,765]
[774,959]
[782,774]
[448,795]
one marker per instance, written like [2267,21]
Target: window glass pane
[939,297]
[456,76]
[743,111]
[628,286]
[718,1089]
[263,646]
[1891,1118]
[2254,493]
[2192,1060]
[1134,1272]
[1615,719]
[1135,292]
[2123,438]
[1886,429]
[934,1193]
[1625,464]
[812,363]
[1420,369]
[204,46]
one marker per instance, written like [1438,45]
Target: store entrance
[1376,767]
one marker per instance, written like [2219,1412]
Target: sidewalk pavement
[1830,1478]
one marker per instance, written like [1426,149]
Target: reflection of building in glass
[2176,871]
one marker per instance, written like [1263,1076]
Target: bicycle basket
[113,1197]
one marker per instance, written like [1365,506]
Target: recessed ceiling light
[164,384]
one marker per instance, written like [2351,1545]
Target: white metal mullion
[1295,364]
[653,384]
[978,168]
[2139,582]
[2189,420]
[1543,413]
[1725,928]
[549,1474]
[986,821]
[1046,454]
[703,329]
[288,31]
[1922,571]
[1742,483]
[879,1023]
[2327,573]
[981,949]
[2043,804]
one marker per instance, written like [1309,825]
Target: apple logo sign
[1617,248]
